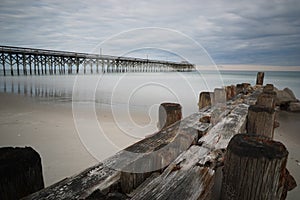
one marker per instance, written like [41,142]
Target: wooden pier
[28,61]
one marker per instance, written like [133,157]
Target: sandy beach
[288,134]
[50,129]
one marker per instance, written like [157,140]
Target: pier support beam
[91,65]
[18,64]
[30,63]
[77,65]
[84,67]
[3,64]
[11,65]
[24,64]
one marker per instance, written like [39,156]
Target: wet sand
[289,134]
[50,129]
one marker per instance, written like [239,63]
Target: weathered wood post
[261,116]
[169,113]
[20,172]
[261,120]
[260,78]
[205,99]
[219,96]
[271,94]
[230,92]
[254,168]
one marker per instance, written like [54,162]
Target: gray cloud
[241,32]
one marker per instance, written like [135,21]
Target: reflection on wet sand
[36,89]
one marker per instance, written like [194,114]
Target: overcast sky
[263,32]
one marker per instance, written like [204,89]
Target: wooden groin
[182,160]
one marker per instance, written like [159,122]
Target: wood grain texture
[254,168]
[260,78]
[183,179]
[169,113]
[261,121]
[20,172]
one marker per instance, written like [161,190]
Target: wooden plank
[156,155]
[219,136]
[183,179]
[98,177]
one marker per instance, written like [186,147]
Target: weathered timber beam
[219,136]
[98,177]
[182,179]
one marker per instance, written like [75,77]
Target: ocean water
[140,90]
[128,95]
[280,79]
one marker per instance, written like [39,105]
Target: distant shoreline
[244,67]
[258,68]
